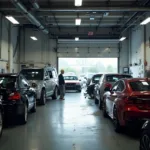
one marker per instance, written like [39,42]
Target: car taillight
[14,96]
[108,85]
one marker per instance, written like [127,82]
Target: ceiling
[110,18]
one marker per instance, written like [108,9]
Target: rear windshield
[70,78]
[33,74]
[96,78]
[140,85]
[7,80]
[115,78]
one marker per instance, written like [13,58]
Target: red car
[127,102]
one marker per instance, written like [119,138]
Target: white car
[72,83]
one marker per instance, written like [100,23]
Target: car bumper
[75,87]
[14,108]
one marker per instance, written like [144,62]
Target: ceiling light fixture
[78,21]
[146,21]
[78,3]
[92,18]
[122,38]
[76,38]
[34,38]
[12,19]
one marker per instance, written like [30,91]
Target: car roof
[117,74]
[98,74]
[9,74]
[136,79]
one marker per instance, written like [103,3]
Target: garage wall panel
[40,52]
[137,52]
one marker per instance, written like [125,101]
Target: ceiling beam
[91,9]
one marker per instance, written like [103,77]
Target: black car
[17,97]
[1,118]
[90,88]
[145,137]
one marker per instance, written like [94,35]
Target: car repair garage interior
[102,45]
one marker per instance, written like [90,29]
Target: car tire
[79,91]
[55,95]
[117,126]
[1,123]
[104,111]
[43,97]
[145,141]
[24,116]
[34,107]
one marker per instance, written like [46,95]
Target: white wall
[8,41]
[124,54]
[137,52]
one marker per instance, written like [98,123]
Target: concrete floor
[73,124]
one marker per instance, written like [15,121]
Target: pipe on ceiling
[29,16]
[99,9]
[35,4]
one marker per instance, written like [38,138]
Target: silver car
[107,80]
[44,80]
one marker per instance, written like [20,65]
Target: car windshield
[7,80]
[115,78]
[140,85]
[70,78]
[33,74]
[96,78]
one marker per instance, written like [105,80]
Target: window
[23,82]
[115,78]
[6,80]
[140,85]
[96,78]
[114,88]
[70,78]
[121,86]
[33,74]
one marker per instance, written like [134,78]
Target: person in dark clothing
[61,85]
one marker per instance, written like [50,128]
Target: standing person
[61,84]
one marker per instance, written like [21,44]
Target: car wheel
[24,116]
[43,97]
[117,125]
[55,95]
[1,123]
[145,141]
[34,107]
[104,110]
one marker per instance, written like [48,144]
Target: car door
[25,91]
[110,99]
[47,83]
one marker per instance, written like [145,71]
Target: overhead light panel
[78,3]
[78,21]
[12,19]
[122,39]
[34,38]
[92,18]
[146,21]
[76,38]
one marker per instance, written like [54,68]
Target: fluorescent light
[78,2]
[77,39]
[12,19]
[78,21]
[34,38]
[122,39]
[146,21]
[92,18]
